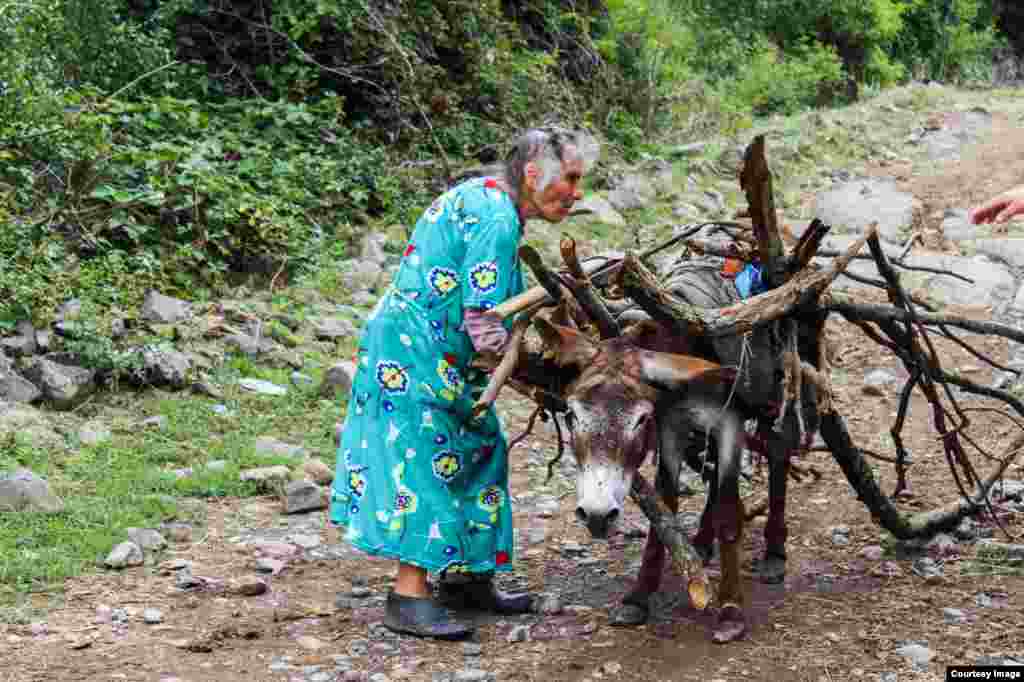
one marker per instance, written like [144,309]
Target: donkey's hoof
[771,569]
[628,615]
[731,625]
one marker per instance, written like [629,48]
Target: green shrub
[773,82]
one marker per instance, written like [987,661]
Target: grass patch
[130,480]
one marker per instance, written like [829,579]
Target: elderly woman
[418,479]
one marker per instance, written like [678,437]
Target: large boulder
[631,192]
[596,207]
[61,380]
[337,380]
[23,343]
[28,423]
[361,275]
[994,284]
[166,367]
[164,309]
[22,490]
[852,206]
[15,388]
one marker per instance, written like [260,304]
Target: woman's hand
[1001,208]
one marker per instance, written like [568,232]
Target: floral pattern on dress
[483,278]
[447,465]
[450,376]
[392,376]
[442,280]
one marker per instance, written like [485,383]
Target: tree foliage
[180,141]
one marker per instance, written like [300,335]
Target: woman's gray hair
[547,148]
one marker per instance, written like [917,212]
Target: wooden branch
[807,247]
[505,368]
[756,182]
[583,291]
[801,290]
[670,531]
[859,475]
[868,312]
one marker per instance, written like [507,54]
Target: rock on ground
[303,496]
[124,555]
[22,490]
[853,206]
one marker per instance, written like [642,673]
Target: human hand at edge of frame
[1001,208]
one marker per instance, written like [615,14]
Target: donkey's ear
[570,347]
[672,372]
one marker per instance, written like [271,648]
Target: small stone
[158,422]
[321,677]
[612,668]
[271,566]
[152,616]
[471,676]
[877,381]
[184,580]
[472,649]
[124,555]
[265,474]
[262,387]
[179,532]
[888,677]
[519,633]
[943,545]
[119,616]
[304,496]
[271,447]
[310,643]
[304,541]
[872,552]
[318,472]
[147,538]
[548,604]
[917,654]
[104,615]
[379,677]
[954,616]
[359,647]
[277,550]
[300,379]
[360,592]
[926,568]
[251,587]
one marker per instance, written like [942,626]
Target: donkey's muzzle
[598,523]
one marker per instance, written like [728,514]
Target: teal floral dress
[418,479]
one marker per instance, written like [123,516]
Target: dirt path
[850,600]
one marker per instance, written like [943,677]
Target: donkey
[629,402]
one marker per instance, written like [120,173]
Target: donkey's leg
[732,623]
[729,519]
[772,567]
[635,605]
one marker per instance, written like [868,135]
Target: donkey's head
[611,411]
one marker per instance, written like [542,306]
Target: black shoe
[423,617]
[481,595]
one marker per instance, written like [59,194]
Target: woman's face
[554,202]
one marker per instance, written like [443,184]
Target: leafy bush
[161,189]
[772,82]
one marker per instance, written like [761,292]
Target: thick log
[584,292]
[802,289]
[756,182]
[903,527]
[683,555]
